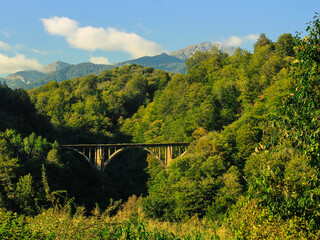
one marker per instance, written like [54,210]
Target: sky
[34,33]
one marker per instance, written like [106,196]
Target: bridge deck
[126,145]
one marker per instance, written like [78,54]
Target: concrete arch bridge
[100,155]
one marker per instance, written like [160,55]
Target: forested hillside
[97,105]
[252,168]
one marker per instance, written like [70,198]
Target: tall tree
[302,106]
[262,41]
[285,44]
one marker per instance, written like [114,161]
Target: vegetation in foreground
[252,171]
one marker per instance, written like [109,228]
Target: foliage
[96,105]
[13,226]
[17,112]
[248,220]
[59,224]
[283,182]
[238,91]
[285,179]
[300,110]
[20,167]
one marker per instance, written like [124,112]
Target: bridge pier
[100,155]
[169,154]
[99,158]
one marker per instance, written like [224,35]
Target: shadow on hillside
[123,177]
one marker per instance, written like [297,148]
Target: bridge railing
[125,144]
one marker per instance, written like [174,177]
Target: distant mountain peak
[187,52]
[55,66]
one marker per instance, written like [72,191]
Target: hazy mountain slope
[163,62]
[70,72]
[22,79]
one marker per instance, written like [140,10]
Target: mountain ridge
[58,71]
[162,61]
[70,71]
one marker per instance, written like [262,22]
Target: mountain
[70,71]
[187,52]
[24,79]
[58,71]
[163,62]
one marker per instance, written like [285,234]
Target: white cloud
[60,26]
[140,27]
[4,46]
[6,33]
[99,60]
[92,38]
[18,63]
[39,52]
[252,37]
[235,41]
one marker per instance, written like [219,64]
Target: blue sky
[34,33]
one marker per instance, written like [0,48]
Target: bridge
[100,155]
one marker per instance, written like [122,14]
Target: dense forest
[252,168]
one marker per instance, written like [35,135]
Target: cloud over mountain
[93,38]
[99,60]
[235,41]
[18,63]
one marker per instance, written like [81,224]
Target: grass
[129,223]
[248,221]
[58,224]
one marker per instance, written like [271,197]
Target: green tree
[301,109]
[285,45]
[262,41]
[8,170]
[24,193]
[202,64]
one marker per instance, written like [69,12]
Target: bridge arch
[81,153]
[117,152]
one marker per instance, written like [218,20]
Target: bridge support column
[169,154]
[99,158]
